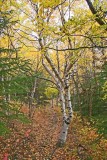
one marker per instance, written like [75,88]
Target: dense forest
[53,79]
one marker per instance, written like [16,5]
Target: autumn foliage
[37,141]
[53,53]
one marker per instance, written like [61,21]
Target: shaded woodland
[53,80]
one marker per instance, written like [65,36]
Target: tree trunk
[67,114]
[52,102]
[63,134]
[31,97]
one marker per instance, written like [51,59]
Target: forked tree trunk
[62,84]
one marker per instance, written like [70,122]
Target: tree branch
[73,49]
[95,12]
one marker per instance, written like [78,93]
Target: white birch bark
[62,98]
[62,86]
[70,105]
[54,69]
[64,89]
[63,134]
[49,71]
[67,117]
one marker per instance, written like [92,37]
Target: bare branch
[54,69]
[78,48]
[50,72]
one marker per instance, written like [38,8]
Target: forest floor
[37,140]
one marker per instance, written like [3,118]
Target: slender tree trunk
[67,114]
[52,102]
[90,102]
[31,98]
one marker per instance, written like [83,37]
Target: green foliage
[51,92]
[40,96]
[3,129]
[15,83]
[6,21]
[98,90]
[15,80]
[105,91]
[23,118]
[100,122]
[15,73]
[97,94]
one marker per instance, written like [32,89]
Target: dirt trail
[35,141]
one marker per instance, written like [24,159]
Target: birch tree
[58,29]
[59,72]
